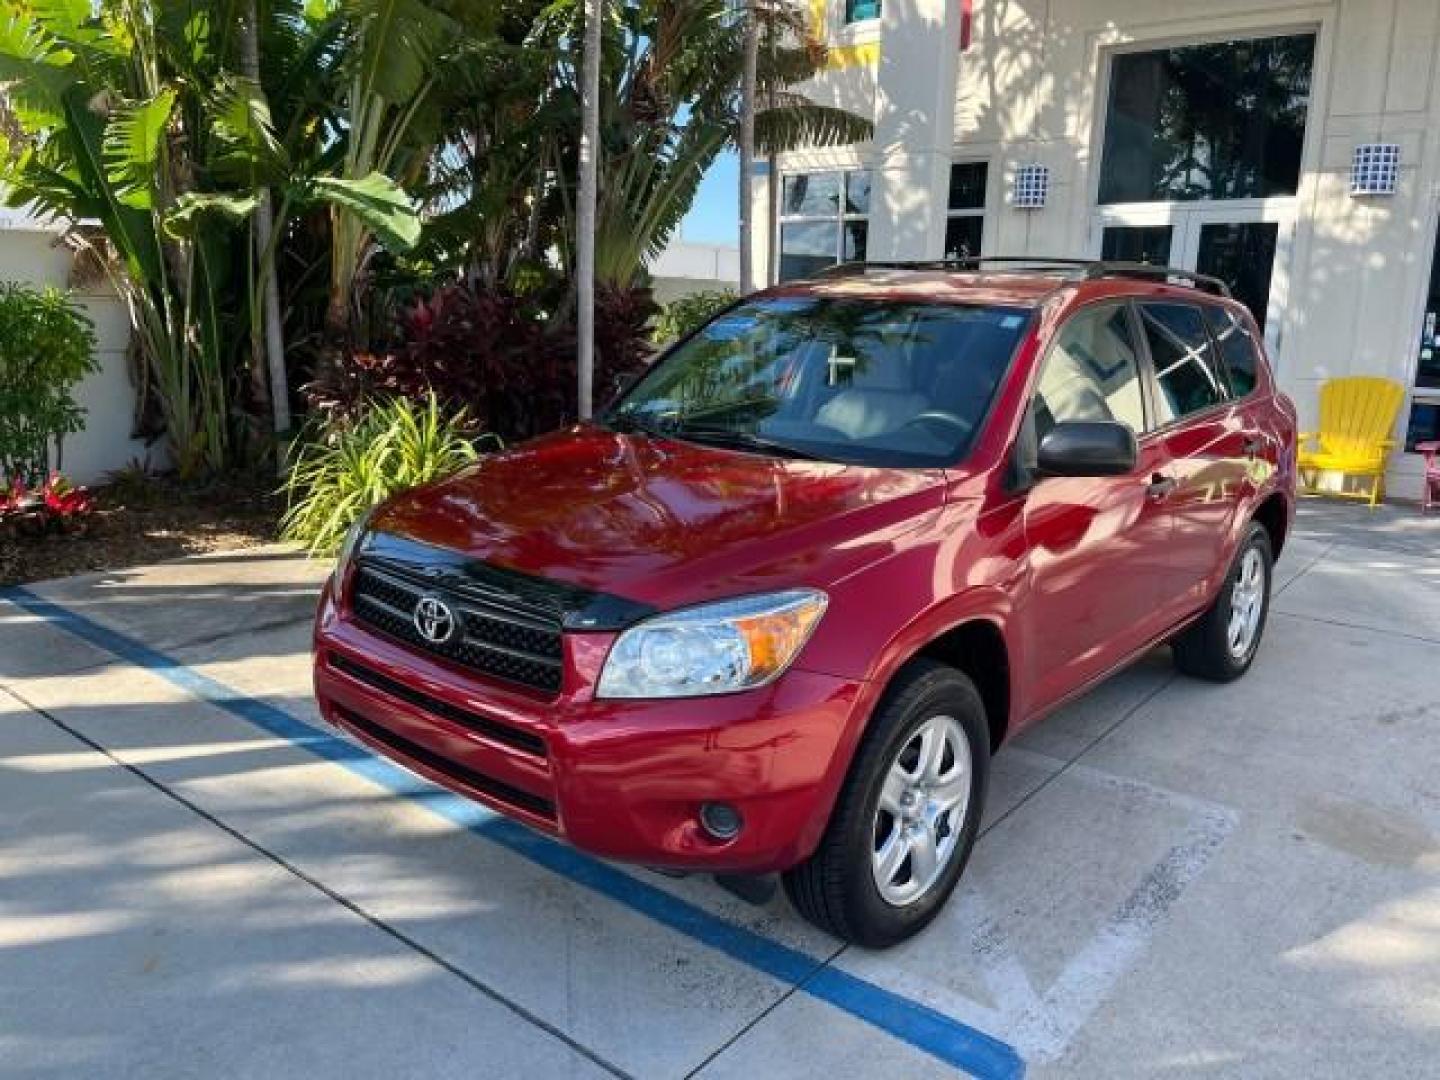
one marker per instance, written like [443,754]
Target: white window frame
[981,211]
[1187,219]
[839,219]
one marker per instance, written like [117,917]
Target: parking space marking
[1048,1022]
[1041,1024]
[943,1037]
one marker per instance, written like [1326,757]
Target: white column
[914,128]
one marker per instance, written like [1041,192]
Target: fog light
[721,820]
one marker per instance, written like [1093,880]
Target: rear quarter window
[1187,372]
[1238,348]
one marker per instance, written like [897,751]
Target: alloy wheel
[1247,604]
[921,811]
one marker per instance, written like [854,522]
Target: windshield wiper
[741,440]
[630,423]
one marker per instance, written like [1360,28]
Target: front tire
[907,815]
[1221,645]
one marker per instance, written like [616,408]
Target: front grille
[486,785]
[495,639]
[527,741]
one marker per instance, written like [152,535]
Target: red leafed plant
[55,506]
[498,355]
[65,501]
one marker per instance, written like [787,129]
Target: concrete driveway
[198,879]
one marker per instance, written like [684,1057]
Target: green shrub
[350,465]
[47,345]
[687,314]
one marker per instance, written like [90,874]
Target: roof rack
[1081,269]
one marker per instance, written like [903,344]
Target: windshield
[861,381]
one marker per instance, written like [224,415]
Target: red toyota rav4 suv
[776,609]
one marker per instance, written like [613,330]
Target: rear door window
[1187,371]
[1237,348]
[1091,372]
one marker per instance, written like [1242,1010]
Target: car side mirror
[1087,448]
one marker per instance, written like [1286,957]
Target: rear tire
[907,815]
[1221,645]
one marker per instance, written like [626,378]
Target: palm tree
[671,104]
[136,118]
[267,309]
[393,55]
[587,201]
[748,79]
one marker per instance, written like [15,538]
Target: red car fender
[984,604]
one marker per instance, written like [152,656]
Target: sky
[714,217]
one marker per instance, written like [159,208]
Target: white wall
[684,268]
[1032,89]
[33,255]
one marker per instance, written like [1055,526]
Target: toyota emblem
[434,620]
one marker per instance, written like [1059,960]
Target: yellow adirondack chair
[1357,417]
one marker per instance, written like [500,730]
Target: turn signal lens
[714,648]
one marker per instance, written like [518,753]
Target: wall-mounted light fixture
[1032,187]
[1375,169]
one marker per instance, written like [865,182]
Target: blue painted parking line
[925,1028]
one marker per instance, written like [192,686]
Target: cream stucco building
[1292,148]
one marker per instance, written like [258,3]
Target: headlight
[351,545]
[712,649]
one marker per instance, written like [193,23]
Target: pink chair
[1430,484]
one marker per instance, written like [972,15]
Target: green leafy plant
[133,484]
[47,345]
[686,314]
[133,115]
[352,464]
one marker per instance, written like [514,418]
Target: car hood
[666,522]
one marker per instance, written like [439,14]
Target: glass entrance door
[1247,247]
[1424,423]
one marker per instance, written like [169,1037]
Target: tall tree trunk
[586,206]
[747,147]
[273,349]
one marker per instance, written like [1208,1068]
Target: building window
[1424,425]
[1224,120]
[823,221]
[861,10]
[965,212]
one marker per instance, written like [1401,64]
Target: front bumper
[620,779]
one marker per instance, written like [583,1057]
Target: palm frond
[75,24]
[397,43]
[798,123]
[378,202]
[248,148]
[33,72]
[133,138]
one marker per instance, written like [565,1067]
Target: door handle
[1160,487]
